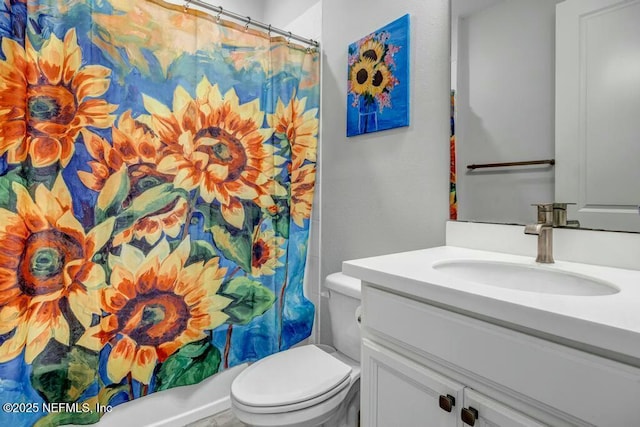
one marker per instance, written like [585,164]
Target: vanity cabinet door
[482,411]
[397,391]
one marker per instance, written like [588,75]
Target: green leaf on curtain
[190,364]
[212,215]
[7,196]
[236,247]
[282,218]
[201,251]
[101,400]
[62,374]
[115,191]
[250,300]
[44,175]
[152,200]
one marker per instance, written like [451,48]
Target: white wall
[505,103]
[302,17]
[386,191]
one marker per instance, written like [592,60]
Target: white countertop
[605,322]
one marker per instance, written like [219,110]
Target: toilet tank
[344,299]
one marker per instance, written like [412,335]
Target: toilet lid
[289,377]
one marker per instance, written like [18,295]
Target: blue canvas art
[378,80]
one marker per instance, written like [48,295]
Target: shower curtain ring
[186,6]
[246,27]
[218,15]
[269,31]
[289,39]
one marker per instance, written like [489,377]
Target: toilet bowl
[309,385]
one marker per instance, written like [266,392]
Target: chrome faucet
[544,230]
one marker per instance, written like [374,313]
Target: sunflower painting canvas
[378,80]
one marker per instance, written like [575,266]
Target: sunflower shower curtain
[157,168]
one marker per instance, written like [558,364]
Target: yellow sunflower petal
[231,97]
[12,347]
[215,97]
[36,342]
[93,276]
[144,364]
[122,282]
[161,251]
[131,258]
[217,303]
[188,278]
[12,223]
[85,304]
[202,90]
[121,359]
[216,319]
[251,110]
[61,193]
[11,315]
[99,236]
[95,112]
[187,179]
[51,59]
[151,235]
[73,56]
[181,99]
[170,163]
[147,275]
[60,329]
[70,225]
[91,81]
[12,50]
[172,265]
[233,213]
[28,210]
[242,190]
[218,172]
[89,338]
[44,151]
[48,203]
[123,288]
[155,107]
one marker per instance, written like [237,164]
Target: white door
[489,413]
[598,112]
[401,393]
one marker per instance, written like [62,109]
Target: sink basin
[527,278]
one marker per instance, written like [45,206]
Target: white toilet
[310,385]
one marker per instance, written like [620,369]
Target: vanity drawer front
[591,388]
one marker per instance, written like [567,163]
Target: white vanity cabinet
[416,357]
[396,391]
[401,392]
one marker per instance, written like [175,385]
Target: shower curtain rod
[248,21]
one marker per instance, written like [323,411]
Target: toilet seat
[292,380]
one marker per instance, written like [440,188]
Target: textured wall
[387,191]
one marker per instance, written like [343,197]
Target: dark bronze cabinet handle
[447,402]
[469,415]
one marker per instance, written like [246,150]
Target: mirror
[549,81]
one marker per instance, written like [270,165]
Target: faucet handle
[561,205]
[545,213]
[560,215]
